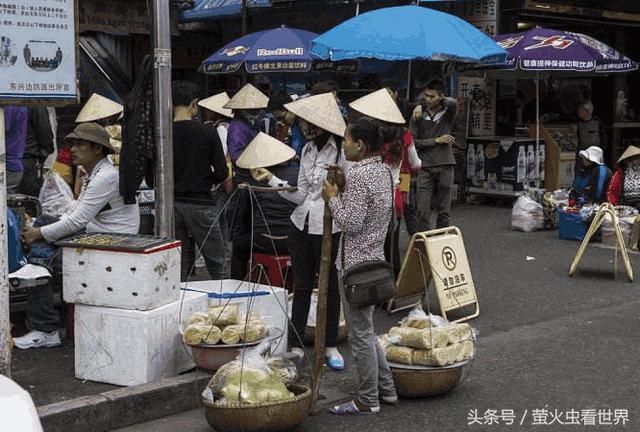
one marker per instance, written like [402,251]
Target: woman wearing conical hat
[246,105]
[323,126]
[624,187]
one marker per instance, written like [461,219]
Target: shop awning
[210,10]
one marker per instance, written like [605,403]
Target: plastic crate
[571,226]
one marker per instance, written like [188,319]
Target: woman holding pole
[363,211]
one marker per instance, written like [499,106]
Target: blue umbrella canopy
[281,49]
[407,33]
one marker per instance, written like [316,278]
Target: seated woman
[590,183]
[624,188]
[263,216]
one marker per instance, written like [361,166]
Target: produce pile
[224,324]
[423,340]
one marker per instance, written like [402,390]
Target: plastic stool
[274,267]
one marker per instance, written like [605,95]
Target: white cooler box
[120,271]
[272,307]
[129,347]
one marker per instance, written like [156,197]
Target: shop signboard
[481,13]
[38,55]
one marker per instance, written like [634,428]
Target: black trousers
[261,244]
[305,250]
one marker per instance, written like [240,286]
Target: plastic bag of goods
[196,334]
[609,233]
[56,197]
[249,380]
[527,215]
[428,340]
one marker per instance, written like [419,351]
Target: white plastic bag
[527,215]
[56,196]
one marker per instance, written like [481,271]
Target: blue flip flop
[350,408]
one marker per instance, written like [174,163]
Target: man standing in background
[432,132]
[39,144]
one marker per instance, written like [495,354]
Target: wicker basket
[426,382]
[267,417]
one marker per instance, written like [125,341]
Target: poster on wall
[477,104]
[38,54]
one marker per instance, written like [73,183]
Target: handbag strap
[390,229]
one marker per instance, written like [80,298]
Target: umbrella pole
[409,81]
[321,311]
[537,129]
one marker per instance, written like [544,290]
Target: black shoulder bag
[371,282]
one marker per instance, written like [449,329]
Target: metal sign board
[437,255]
[38,55]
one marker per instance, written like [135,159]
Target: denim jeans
[433,194]
[201,222]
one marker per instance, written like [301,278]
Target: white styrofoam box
[272,308]
[140,281]
[129,347]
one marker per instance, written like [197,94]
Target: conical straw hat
[322,110]
[630,152]
[98,107]
[216,103]
[248,97]
[264,151]
[379,105]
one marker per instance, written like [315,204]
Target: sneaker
[335,362]
[29,276]
[389,400]
[38,339]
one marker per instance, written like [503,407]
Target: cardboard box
[130,347]
[142,280]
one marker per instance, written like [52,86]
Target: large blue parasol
[407,33]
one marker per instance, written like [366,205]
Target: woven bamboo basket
[267,417]
[418,383]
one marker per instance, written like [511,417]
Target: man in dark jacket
[433,138]
[199,164]
[38,146]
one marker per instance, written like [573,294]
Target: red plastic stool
[274,268]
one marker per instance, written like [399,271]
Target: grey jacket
[426,129]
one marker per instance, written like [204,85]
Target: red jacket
[614,192]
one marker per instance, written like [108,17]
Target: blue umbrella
[407,33]
[281,49]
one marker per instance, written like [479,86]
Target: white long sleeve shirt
[99,209]
[313,172]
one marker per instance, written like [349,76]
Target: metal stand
[603,210]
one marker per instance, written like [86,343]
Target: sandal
[350,408]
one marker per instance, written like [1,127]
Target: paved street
[552,349]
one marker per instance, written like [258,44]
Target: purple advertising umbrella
[281,49]
[548,50]
[542,49]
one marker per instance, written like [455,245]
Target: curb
[126,406]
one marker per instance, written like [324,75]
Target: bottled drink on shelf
[471,161]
